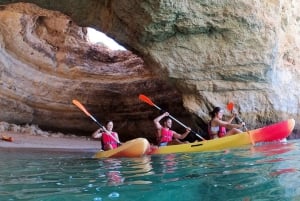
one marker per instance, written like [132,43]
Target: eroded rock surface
[190,53]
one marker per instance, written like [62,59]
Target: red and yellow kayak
[140,146]
[133,148]
[269,133]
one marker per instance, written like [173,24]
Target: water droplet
[98,199]
[114,195]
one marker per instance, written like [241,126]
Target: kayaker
[164,133]
[109,139]
[220,128]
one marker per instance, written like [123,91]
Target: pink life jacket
[108,139]
[221,132]
[166,135]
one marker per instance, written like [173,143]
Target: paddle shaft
[103,127]
[230,107]
[82,108]
[180,123]
[240,120]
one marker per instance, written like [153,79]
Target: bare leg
[234,131]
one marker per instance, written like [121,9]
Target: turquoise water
[264,172]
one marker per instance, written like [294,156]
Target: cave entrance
[97,37]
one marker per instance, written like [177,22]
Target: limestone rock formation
[46,62]
[198,54]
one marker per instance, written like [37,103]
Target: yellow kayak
[133,148]
[269,133]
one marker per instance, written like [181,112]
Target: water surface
[264,172]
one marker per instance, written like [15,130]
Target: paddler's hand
[242,124]
[97,133]
[166,114]
[188,129]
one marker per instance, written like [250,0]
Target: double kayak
[277,131]
[140,146]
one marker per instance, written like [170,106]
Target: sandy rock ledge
[30,136]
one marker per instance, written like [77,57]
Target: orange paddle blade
[230,106]
[146,99]
[80,106]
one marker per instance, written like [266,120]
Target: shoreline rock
[31,136]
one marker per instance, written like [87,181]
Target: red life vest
[107,139]
[166,135]
[221,132]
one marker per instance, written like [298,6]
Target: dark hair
[214,112]
[108,122]
[165,119]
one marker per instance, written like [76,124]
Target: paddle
[148,100]
[230,107]
[82,108]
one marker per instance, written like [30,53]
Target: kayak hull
[269,133]
[133,148]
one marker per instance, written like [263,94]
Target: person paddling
[164,133]
[220,128]
[109,139]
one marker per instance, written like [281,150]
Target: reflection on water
[132,169]
[264,172]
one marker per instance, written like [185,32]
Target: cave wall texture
[187,56]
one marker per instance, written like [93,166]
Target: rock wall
[221,51]
[46,62]
[193,55]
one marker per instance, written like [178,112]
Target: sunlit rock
[191,54]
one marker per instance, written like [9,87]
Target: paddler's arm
[182,136]
[230,125]
[157,120]
[97,133]
[158,126]
[118,140]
